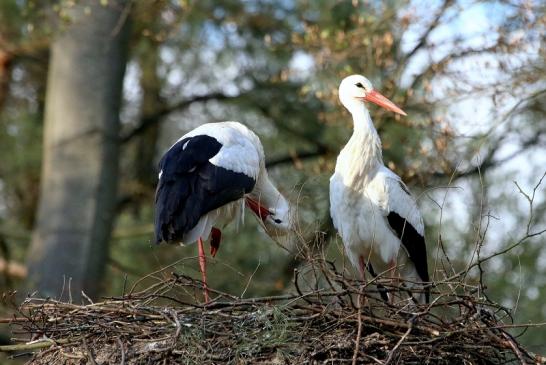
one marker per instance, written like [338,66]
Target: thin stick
[402,339]
[359,331]
[27,346]
[122,362]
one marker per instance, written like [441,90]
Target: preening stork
[205,180]
[371,207]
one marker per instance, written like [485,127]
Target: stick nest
[343,322]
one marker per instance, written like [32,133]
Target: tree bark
[151,83]
[5,74]
[81,151]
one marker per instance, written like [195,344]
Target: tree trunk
[151,84]
[5,75]
[81,152]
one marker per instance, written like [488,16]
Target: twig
[28,346]
[402,339]
[122,362]
[359,331]
[250,279]
[89,353]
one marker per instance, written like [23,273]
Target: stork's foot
[203,268]
[215,239]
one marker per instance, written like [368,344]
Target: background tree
[80,165]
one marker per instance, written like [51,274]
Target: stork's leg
[215,238]
[395,281]
[203,268]
[362,265]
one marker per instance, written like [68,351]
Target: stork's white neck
[362,154]
[265,191]
[267,195]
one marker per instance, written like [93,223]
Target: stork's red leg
[362,265]
[215,238]
[203,268]
[396,280]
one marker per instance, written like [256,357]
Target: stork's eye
[278,221]
[359,85]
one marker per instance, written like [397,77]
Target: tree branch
[150,120]
[441,64]
[489,161]
[431,27]
[298,155]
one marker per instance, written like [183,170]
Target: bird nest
[339,321]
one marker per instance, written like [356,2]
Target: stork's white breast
[361,221]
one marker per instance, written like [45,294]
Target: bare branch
[442,63]
[423,40]
[297,155]
[150,120]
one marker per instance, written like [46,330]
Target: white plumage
[205,180]
[241,150]
[370,206]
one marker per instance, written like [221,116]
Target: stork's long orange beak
[376,98]
[257,208]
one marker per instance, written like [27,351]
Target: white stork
[205,179]
[370,205]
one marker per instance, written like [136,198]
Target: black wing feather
[414,243]
[190,187]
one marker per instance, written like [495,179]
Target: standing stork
[206,178]
[370,205]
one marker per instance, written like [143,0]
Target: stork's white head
[280,220]
[356,89]
[273,212]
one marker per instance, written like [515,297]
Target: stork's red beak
[257,208]
[376,98]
